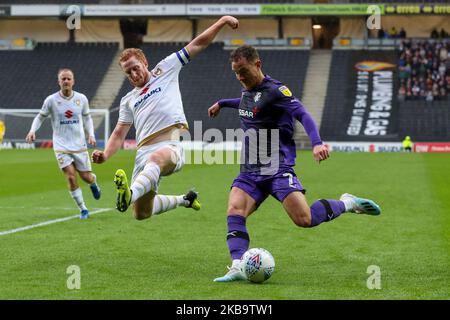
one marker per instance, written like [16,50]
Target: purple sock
[237,237]
[325,210]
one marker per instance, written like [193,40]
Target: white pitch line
[36,208]
[45,223]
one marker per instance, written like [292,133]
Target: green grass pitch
[177,255]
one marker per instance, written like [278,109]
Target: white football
[257,264]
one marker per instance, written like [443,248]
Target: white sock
[348,203]
[146,181]
[163,203]
[77,195]
[236,263]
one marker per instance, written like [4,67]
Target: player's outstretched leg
[123,191]
[360,205]
[164,203]
[238,242]
[95,189]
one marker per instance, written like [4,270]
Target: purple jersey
[267,114]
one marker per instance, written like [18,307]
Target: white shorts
[143,153]
[80,160]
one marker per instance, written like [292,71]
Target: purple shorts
[259,187]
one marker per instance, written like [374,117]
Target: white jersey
[157,105]
[67,122]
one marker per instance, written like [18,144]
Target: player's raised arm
[114,143]
[214,110]
[299,112]
[206,37]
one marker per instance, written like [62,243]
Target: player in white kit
[156,109]
[69,113]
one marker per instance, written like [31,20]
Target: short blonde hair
[65,70]
[130,52]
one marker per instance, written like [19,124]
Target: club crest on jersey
[257,96]
[157,72]
[285,91]
[146,96]
[77,102]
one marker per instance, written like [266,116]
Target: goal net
[17,123]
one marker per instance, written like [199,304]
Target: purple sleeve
[229,103]
[308,123]
[298,111]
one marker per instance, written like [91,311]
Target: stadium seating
[209,78]
[424,121]
[424,70]
[28,77]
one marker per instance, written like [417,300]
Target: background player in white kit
[69,111]
[156,109]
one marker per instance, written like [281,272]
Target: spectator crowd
[424,69]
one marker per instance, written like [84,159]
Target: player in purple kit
[267,108]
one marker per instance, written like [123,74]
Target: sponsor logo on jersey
[246,113]
[144,91]
[285,91]
[69,121]
[68,114]
[255,110]
[146,96]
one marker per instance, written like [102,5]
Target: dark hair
[245,51]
